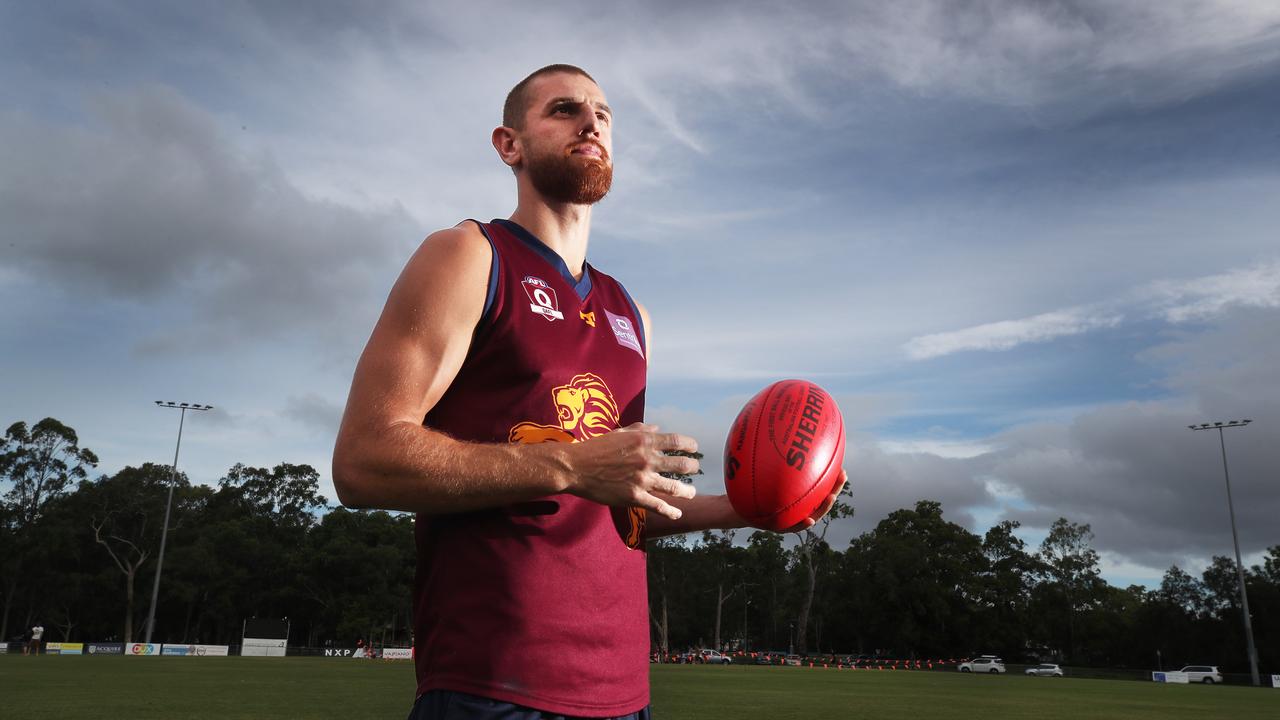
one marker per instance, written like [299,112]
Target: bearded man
[501,398]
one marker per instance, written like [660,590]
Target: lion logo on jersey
[585,409]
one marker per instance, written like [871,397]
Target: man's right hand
[622,468]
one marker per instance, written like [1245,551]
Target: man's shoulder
[466,236]
[452,250]
[450,265]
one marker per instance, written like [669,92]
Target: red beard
[565,178]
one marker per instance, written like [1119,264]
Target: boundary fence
[201,650]
[812,662]
[885,664]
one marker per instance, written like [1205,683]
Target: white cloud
[1200,298]
[1009,334]
[940,448]
[1206,297]
[1117,566]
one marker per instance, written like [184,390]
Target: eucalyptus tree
[809,553]
[1007,578]
[39,463]
[1073,578]
[125,512]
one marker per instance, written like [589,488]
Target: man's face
[568,139]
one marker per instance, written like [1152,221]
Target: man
[501,397]
[37,634]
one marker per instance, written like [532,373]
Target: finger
[655,504]
[844,479]
[674,488]
[666,442]
[678,464]
[824,508]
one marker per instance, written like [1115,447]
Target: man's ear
[507,143]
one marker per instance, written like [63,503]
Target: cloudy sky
[1025,244]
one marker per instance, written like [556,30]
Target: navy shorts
[452,705]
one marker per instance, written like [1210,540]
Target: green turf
[162,687]
[811,694]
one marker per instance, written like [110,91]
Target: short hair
[517,104]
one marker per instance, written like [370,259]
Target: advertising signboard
[142,649]
[105,649]
[359,653]
[1170,677]
[397,653]
[1275,681]
[194,650]
[263,647]
[63,648]
[265,637]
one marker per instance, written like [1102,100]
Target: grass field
[156,687]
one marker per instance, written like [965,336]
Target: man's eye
[602,117]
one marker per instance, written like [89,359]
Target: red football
[784,454]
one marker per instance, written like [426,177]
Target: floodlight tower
[1244,596]
[164,533]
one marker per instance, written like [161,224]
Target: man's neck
[562,227]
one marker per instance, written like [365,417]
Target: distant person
[37,634]
[501,397]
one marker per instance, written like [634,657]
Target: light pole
[1244,597]
[164,533]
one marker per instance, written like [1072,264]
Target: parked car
[1045,670]
[1207,674]
[983,664]
[713,657]
[792,660]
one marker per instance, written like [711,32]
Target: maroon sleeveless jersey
[543,603]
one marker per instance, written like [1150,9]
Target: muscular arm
[385,458]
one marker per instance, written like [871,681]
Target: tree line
[78,553]
[918,586]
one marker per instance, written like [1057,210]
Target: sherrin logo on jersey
[542,298]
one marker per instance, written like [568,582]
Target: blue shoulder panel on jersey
[493,276]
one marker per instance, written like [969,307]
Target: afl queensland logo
[542,298]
